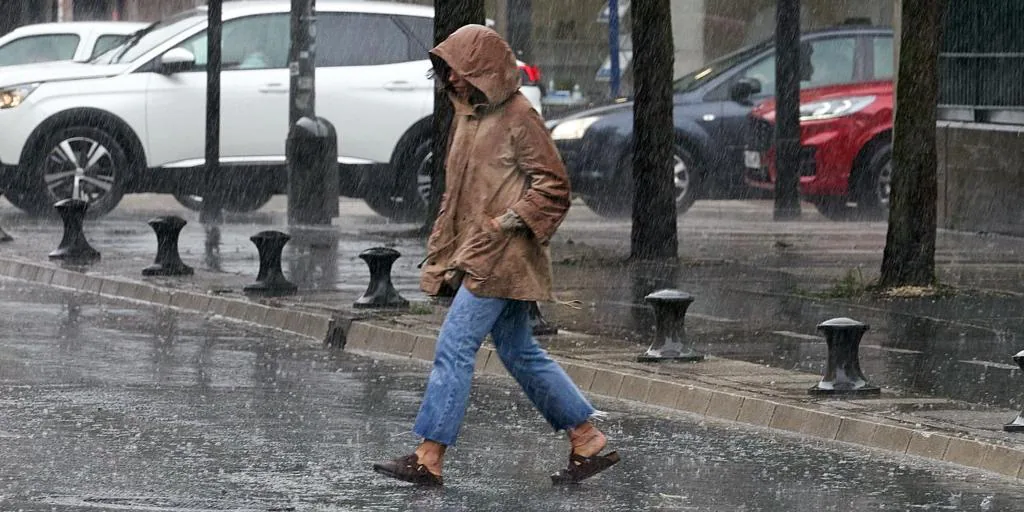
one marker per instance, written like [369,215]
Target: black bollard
[540,326]
[1017,425]
[380,293]
[73,248]
[4,237]
[670,341]
[843,375]
[168,261]
[270,280]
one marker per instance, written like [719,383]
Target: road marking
[713,318]
[890,349]
[990,364]
[709,318]
[797,335]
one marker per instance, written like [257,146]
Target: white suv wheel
[79,167]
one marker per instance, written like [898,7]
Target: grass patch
[851,286]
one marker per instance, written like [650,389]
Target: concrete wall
[980,177]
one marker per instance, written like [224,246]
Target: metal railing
[982,62]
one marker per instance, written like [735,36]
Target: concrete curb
[697,398]
[327,329]
[364,336]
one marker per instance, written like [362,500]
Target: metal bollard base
[538,324]
[1017,425]
[861,391]
[168,270]
[271,288]
[390,301]
[544,329]
[654,356]
[83,253]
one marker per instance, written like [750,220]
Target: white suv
[133,120]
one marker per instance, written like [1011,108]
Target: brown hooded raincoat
[500,157]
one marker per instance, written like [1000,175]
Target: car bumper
[591,164]
[827,152]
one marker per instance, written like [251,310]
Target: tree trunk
[654,233]
[449,16]
[909,257]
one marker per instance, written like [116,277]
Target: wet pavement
[761,287]
[113,407]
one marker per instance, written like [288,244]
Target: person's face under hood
[482,58]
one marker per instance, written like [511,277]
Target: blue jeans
[469,320]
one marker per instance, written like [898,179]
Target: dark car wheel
[408,199]
[686,177]
[78,161]
[870,191]
[874,187]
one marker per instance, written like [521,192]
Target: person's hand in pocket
[507,222]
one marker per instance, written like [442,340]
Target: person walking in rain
[507,192]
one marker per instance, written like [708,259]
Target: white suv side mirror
[177,60]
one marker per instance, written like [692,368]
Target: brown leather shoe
[581,468]
[408,469]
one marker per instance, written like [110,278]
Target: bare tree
[654,234]
[909,257]
[449,16]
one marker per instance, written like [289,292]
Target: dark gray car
[710,117]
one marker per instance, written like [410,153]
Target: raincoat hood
[483,59]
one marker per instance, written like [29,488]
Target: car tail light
[530,74]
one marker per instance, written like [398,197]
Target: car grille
[761,134]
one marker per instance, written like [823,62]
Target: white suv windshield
[154,35]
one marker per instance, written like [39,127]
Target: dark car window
[705,74]
[356,39]
[883,58]
[42,48]
[106,43]
[157,34]
[422,30]
[253,42]
[832,61]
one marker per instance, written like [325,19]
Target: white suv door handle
[399,85]
[274,88]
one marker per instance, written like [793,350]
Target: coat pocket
[483,252]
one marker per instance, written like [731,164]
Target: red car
[846,149]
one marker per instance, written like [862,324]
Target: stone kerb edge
[368,338]
[319,327]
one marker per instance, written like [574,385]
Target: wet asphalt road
[107,406]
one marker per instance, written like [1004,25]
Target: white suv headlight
[572,129]
[13,96]
[831,109]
